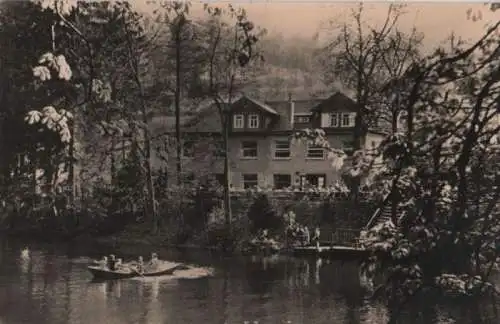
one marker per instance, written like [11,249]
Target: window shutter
[352,119]
[325,120]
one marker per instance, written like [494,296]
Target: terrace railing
[345,237]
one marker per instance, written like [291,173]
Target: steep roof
[207,118]
[283,109]
[261,105]
[338,99]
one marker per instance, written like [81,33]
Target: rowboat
[105,274]
[130,271]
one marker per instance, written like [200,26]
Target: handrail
[377,212]
[374,216]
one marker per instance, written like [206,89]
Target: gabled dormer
[338,112]
[251,115]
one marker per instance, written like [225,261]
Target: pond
[50,284]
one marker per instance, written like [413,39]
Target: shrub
[262,215]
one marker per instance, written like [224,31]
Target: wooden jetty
[343,244]
[331,251]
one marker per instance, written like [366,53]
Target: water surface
[50,284]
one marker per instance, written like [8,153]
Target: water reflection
[24,260]
[319,263]
[113,288]
[43,285]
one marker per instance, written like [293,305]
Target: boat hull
[164,272]
[103,274]
[167,268]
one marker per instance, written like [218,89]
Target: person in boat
[112,262]
[140,265]
[153,263]
[103,263]
[119,264]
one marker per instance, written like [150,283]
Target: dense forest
[80,81]
[79,86]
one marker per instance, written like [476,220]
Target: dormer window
[238,121]
[253,121]
[348,119]
[334,120]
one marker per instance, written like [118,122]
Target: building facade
[261,150]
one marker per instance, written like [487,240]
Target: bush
[223,237]
[262,215]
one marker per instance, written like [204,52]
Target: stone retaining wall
[330,213]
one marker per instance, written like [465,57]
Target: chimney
[292,108]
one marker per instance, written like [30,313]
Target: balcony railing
[345,237]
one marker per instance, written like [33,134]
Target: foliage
[262,215]
[443,172]
[230,48]
[439,171]
[222,237]
[366,59]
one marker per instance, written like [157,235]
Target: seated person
[119,265]
[140,265]
[112,262]
[103,263]
[154,262]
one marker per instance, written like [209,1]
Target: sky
[437,20]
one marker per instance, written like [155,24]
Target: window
[334,120]
[253,121]
[315,152]
[348,119]
[313,180]
[302,119]
[282,149]
[238,121]
[250,181]
[249,149]
[282,181]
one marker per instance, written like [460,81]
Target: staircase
[385,216]
[381,215]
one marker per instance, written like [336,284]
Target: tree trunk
[395,112]
[227,194]
[151,206]
[394,122]
[149,175]
[177,103]
[34,179]
[178,117]
[71,171]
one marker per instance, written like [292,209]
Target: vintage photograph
[249,162]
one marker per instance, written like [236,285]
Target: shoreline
[117,240]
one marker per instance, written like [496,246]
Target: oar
[137,272]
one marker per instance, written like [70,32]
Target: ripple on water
[194,273]
[191,273]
